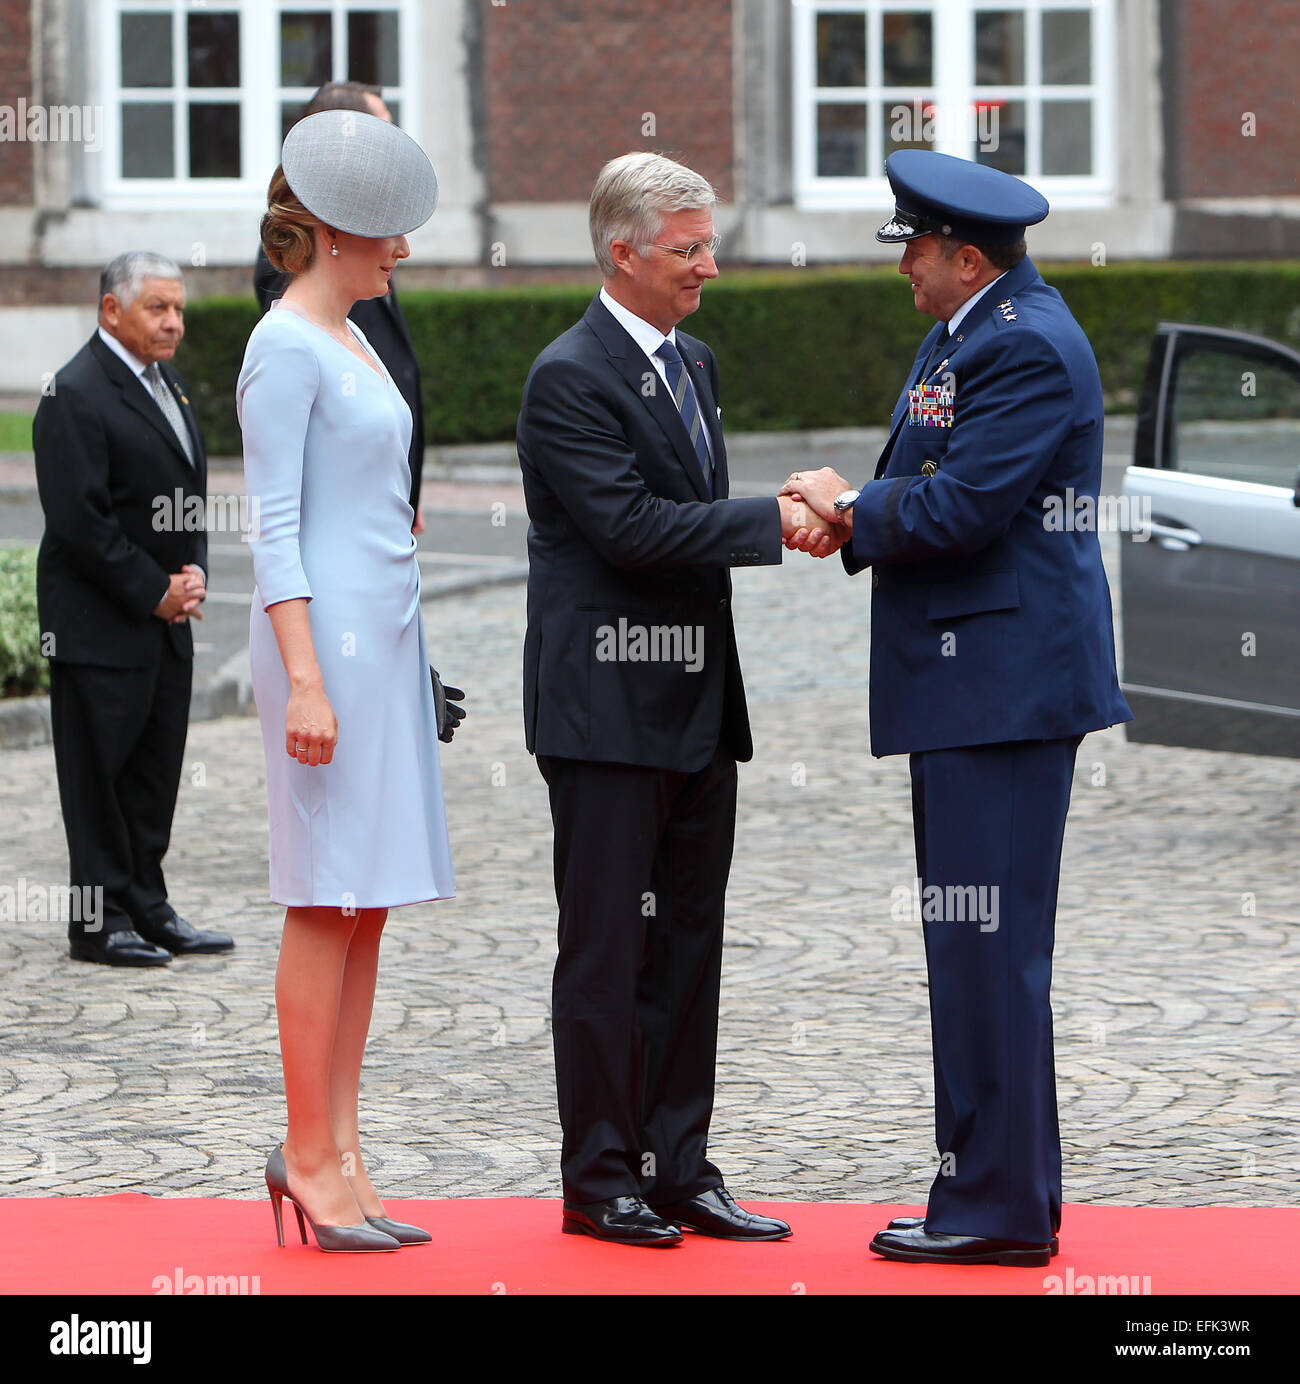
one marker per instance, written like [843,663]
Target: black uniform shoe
[918,1223]
[715,1213]
[624,1220]
[919,1246]
[181,939]
[120,948]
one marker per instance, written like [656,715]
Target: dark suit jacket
[623,530]
[108,468]
[988,622]
[385,329]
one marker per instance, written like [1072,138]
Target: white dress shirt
[650,339]
[138,368]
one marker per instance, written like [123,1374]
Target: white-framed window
[199,93]
[1024,85]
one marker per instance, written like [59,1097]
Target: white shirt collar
[956,319]
[648,338]
[137,365]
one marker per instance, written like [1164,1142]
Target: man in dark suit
[122,477]
[380,319]
[992,655]
[634,707]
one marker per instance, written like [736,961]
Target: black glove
[448,713]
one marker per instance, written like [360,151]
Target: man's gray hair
[124,276]
[632,196]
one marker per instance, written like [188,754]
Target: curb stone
[25,721]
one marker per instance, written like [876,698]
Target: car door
[1210,577]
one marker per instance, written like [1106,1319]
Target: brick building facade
[17,182]
[1229,78]
[1133,116]
[558,99]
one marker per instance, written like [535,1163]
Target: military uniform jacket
[990,619]
[629,556]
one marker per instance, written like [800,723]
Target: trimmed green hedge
[22,669]
[15,432]
[804,348]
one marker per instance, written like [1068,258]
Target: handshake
[809,523]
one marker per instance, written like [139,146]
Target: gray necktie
[158,387]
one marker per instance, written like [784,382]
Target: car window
[1235,415]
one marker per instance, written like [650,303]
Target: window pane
[907,125]
[146,50]
[906,50]
[1067,47]
[1237,417]
[147,146]
[306,49]
[395,110]
[1002,140]
[213,42]
[841,50]
[372,48]
[1067,137]
[841,141]
[214,140]
[999,48]
[291,112]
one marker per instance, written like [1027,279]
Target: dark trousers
[641,864]
[119,741]
[993,817]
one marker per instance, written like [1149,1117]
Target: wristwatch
[846,499]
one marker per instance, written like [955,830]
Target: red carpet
[132,1243]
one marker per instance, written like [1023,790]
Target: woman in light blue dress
[337,646]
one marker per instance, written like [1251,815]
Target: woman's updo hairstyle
[288,228]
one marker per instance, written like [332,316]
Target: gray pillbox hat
[359,174]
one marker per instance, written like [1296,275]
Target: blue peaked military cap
[938,194]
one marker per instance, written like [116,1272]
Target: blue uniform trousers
[993,817]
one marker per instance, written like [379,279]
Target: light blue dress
[326,471]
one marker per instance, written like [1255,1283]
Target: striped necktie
[171,409]
[684,398]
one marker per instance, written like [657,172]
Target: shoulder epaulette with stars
[1008,310]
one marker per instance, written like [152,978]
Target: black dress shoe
[623,1220]
[182,939]
[120,948]
[920,1246]
[715,1213]
[918,1223]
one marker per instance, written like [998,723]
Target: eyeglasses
[711,246]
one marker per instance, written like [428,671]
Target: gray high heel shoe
[334,1239]
[401,1232]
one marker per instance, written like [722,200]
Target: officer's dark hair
[1002,257]
[343,96]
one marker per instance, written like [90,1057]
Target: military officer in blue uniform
[992,655]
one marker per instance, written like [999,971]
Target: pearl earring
[334,249]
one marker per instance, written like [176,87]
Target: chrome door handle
[1175,538]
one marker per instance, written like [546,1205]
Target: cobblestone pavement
[1178,962]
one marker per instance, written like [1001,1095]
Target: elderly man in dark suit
[123,481]
[380,319]
[992,655]
[634,707]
